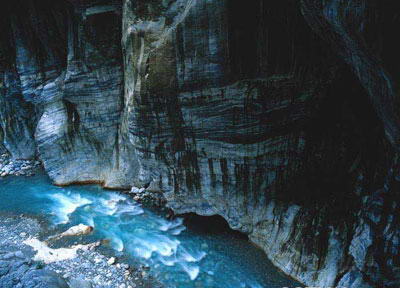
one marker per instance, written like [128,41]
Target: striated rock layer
[281,117]
[242,110]
[62,91]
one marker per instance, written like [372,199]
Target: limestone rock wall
[62,86]
[256,113]
[281,117]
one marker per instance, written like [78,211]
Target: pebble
[97,260]
[19,254]
[66,275]
[97,279]
[111,261]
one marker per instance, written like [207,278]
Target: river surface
[178,256]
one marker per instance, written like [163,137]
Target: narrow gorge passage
[280,117]
[177,256]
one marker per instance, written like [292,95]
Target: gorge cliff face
[62,86]
[279,117]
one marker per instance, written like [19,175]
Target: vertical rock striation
[281,117]
[63,89]
[266,115]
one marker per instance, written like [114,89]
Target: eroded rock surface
[254,113]
[66,82]
[281,117]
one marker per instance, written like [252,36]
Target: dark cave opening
[211,225]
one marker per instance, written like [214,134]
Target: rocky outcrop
[65,84]
[281,117]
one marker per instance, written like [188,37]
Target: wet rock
[149,197]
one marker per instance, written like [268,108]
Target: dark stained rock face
[281,117]
[255,113]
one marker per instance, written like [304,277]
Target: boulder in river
[77,230]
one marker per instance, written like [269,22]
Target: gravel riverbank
[17,167]
[89,269]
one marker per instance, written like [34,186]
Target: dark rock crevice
[342,24]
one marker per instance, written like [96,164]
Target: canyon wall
[62,88]
[282,117]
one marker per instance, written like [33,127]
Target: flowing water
[178,257]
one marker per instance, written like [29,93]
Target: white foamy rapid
[177,257]
[129,228]
[192,270]
[65,205]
